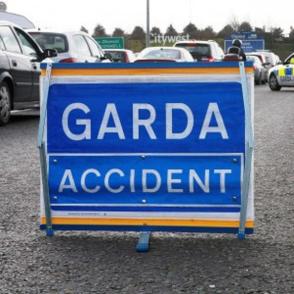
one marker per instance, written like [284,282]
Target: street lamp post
[148,24]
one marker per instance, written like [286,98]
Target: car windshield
[162,54]
[117,56]
[197,50]
[51,41]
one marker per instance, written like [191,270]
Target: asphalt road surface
[104,262]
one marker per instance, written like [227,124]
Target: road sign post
[165,150]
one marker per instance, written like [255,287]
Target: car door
[32,54]
[96,52]
[82,49]
[20,65]
[286,73]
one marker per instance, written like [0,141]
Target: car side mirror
[49,53]
[107,56]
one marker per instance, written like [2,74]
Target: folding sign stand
[144,238]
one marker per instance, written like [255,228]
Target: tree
[191,31]
[260,31]
[226,31]
[99,31]
[170,31]
[277,33]
[235,24]
[155,31]
[118,32]
[83,29]
[138,34]
[208,33]
[245,26]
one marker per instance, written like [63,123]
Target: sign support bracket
[248,154]
[42,151]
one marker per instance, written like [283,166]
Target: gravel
[106,262]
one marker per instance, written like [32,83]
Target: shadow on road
[183,244]
[24,116]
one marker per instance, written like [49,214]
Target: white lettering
[107,178]
[111,110]
[83,180]
[86,134]
[213,109]
[194,176]
[71,185]
[155,173]
[169,121]
[222,173]
[171,180]
[132,181]
[146,123]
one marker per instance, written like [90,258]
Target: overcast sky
[70,15]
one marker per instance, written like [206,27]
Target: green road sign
[110,42]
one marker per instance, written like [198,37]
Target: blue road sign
[139,117]
[154,180]
[161,119]
[251,42]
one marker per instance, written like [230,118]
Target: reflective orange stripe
[148,222]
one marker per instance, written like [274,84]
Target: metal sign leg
[248,154]
[45,187]
[143,243]
[42,150]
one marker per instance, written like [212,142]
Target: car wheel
[258,81]
[273,83]
[5,103]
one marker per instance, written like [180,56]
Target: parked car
[260,55]
[121,55]
[71,46]
[205,51]
[282,75]
[167,54]
[271,58]
[20,58]
[260,72]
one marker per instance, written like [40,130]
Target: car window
[117,56]
[28,47]
[81,46]
[287,61]
[9,40]
[51,41]
[162,54]
[94,48]
[197,50]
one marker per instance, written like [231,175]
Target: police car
[282,75]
